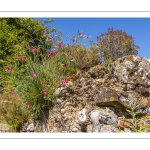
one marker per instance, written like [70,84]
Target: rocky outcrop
[95,100]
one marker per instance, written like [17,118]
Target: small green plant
[137,121]
[13,111]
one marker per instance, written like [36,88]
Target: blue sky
[138,28]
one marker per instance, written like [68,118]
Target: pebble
[75,129]
[63,111]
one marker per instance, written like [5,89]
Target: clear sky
[138,28]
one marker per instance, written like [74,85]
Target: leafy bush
[13,111]
[81,56]
[37,86]
[18,37]
[116,44]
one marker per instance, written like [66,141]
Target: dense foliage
[116,44]
[35,62]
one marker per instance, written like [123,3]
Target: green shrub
[81,56]
[116,44]
[13,111]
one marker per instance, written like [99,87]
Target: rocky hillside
[101,99]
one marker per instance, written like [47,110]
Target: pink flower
[28,105]
[10,67]
[21,58]
[45,93]
[65,65]
[12,90]
[73,40]
[36,39]
[4,103]
[63,82]
[27,47]
[80,34]
[6,85]
[60,46]
[52,53]
[50,39]
[33,74]
[33,49]
[45,31]
[8,70]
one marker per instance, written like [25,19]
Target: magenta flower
[80,34]
[65,65]
[33,74]
[21,58]
[60,46]
[28,106]
[73,40]
[12,90]
[27,47]
[6,85]
[52,53]
[33,49]
[45,31]
[50,39]
[45,93]
[63,82]
[10,67]
[8,70]
[36,39]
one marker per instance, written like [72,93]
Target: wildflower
[52,53]
[60,46]
[12,90]
[63,82]
[36,39]
[21,58]
[65,65]
[27,47]
[10,67]
[73,40]
[4,103]
[80,34]
[45,31]
[45,93]
[33,49]
[8,70]
[50,39]
[33,74]
[6,85]
[28,105]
